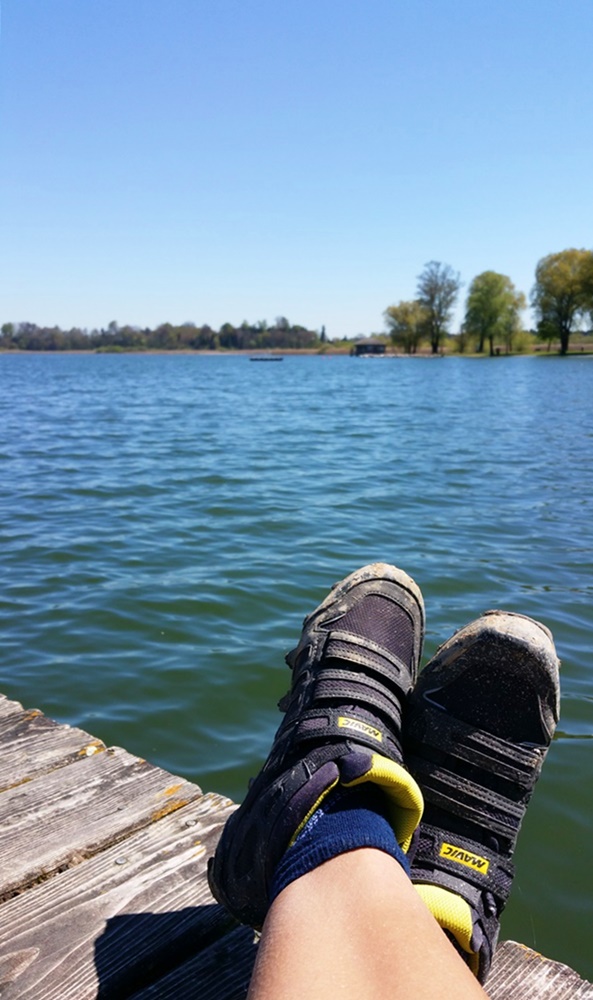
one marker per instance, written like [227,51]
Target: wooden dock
[103,889]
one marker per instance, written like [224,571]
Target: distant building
[370,345]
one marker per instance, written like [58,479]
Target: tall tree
[562,293]
[438,288]
[7,335]
[406,323]
[492,310]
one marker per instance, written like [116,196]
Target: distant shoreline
[577,351]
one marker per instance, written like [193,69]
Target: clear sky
[222,160]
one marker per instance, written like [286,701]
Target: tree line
[561,297]
[169,337]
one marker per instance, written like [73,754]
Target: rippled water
[166,522]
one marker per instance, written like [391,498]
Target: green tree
[7,334]
[229,337]
[438,288]
[492,310]
[164,338]
[461,342]
[562,294]
[406,322]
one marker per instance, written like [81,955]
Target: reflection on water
[166,522]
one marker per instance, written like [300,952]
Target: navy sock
[348,818]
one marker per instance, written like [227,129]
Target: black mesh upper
[385,622]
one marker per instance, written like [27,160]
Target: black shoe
[353,667]
[478,726]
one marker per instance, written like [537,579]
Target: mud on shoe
[356,661]
[478,727]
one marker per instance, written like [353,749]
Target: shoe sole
[520,634]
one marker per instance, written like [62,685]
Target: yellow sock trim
[405,797]
[453,914]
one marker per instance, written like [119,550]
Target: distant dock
[103,889]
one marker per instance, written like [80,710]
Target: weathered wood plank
[518,973]
[220,972]
[112,851]
[119,920]
[7,707]
[57,820]
[31,745]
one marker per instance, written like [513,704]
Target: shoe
[355,663]
[478,726]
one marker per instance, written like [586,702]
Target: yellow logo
[360,727]
[463,857]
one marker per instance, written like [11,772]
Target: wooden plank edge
[32,744]
[520,973]
[50,824]
[121,920]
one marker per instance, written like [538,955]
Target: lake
[167,520]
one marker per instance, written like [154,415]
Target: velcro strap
[347,686]
[517,764]
[468,799]
[446,859]
[345,724]
[366,653]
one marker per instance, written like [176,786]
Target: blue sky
[222,160]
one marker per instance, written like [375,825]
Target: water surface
[166,522]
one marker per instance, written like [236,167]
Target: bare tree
[438,288]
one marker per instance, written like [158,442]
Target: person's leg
[352,928]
